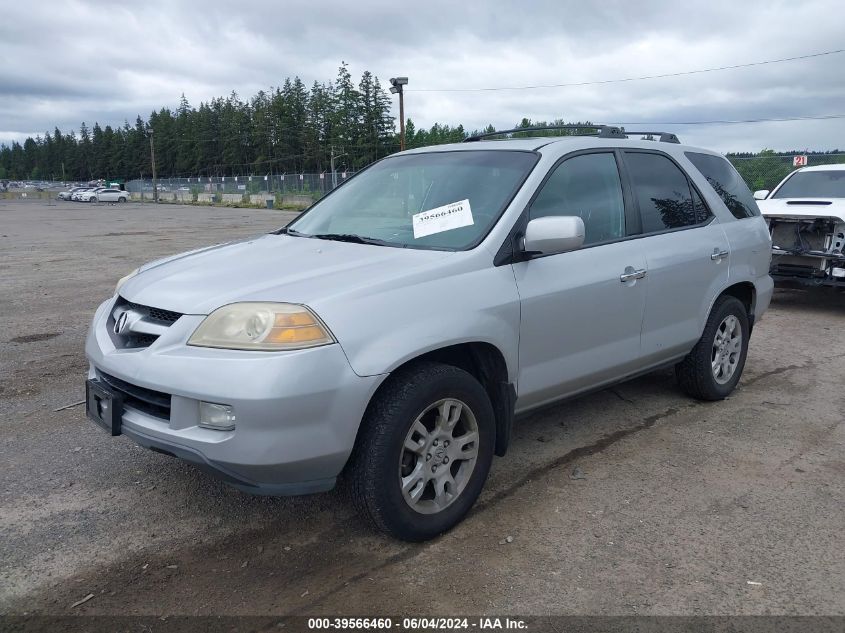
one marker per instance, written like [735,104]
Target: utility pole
[153,164]
[334,173]
[396,87]
[64,179]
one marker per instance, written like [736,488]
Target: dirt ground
[676,506]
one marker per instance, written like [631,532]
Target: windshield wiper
[349,237]
[286,231]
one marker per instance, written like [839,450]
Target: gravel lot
[676,506]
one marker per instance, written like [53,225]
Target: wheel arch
[487,364]
[747,294]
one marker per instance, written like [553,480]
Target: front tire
[423,452]
[713,368]
[121,199]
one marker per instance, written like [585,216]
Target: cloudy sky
[64,62]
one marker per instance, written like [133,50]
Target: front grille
[156,314]
[131,339]
[140,340]
[154,403]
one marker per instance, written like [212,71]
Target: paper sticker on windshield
[445,218]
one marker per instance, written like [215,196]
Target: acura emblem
[122,323]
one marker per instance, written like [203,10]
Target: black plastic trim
[602,131]
[154,403]
[505,416]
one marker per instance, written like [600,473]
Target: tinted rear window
[662,192]
[727,183]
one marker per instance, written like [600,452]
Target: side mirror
[762,194]
[553,234]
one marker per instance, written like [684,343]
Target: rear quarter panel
[749,240]
[751,257]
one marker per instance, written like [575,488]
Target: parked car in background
[75,196]
[68,193]
[88,194]
[104,194]
[394,330]
[806,216]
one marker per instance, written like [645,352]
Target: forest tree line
[290,129]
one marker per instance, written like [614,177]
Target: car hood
[804,207]
[274,268]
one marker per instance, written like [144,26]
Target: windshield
[447,200]
[813,184]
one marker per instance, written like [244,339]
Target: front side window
[813,184]
[662,192]
[726,182]
[587,186]
[436,200]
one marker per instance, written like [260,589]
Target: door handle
[716,255]
[632,273]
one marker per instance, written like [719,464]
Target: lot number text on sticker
[445,218]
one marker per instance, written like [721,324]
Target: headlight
[124,279]
[261,326]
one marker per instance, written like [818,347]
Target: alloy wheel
[727,349]
[438,456]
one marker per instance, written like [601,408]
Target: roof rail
[601,131]
[664,137]
[597,131]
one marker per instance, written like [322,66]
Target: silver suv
[391,334]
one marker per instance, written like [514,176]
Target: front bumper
[297,412]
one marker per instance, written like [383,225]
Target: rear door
[686,251]
[581,311]
[751,251]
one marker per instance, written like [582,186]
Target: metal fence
[315,185]
[760,171]
[767,170]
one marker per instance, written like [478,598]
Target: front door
[581,311]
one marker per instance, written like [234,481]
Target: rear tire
[423,452]
[93,199]
[713,368]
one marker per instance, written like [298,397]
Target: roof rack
[663,137]
[600,131]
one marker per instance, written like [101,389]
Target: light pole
[396,85]
[334,173]
[153,165]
